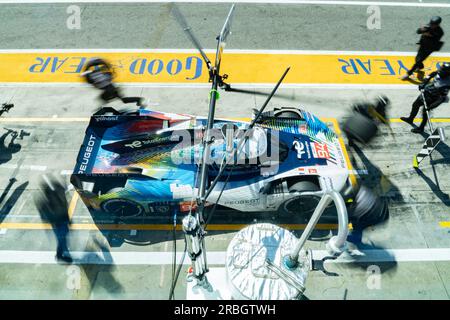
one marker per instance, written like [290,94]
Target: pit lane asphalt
[419,203]
[255,26]
[417,208]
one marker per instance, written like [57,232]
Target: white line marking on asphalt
[311,2]
[218,257]
[22,204]
[240,51]
[161,278]
[18,216]
[208,86]
[15,166]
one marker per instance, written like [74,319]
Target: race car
[141,162]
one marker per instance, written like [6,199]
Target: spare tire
[368,209]
[360,128]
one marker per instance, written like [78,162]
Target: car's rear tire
[301,205]
[360,128]
[120,207]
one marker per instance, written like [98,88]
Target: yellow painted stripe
[444,224]
[176,67]
[150,227]
[437,120]
[73,204]
[338,131]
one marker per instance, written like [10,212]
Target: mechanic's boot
[417,130]
[63,257]
[407,120]
[355,236]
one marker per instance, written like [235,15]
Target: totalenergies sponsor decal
[241,67]
[306,150]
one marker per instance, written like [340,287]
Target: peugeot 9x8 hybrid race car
[143,162]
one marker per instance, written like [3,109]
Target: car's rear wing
[106,129]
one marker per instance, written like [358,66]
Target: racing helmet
[382,103]
[435,20]
[444,70]
[98,72]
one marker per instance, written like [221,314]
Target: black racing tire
[288,114]
[120,207]
[307,203]
[368,209]
[360,128]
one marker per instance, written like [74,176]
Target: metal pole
[207,142]
[323,203]
[244,138]
[337,243]
[430,126]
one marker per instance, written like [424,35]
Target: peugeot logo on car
[87,154]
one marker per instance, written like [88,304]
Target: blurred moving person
[99,73]
[367,209]
[362,125]
[435,92]
[429,42]
[53,207]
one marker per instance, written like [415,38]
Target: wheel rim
[304,205]
[122,208]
